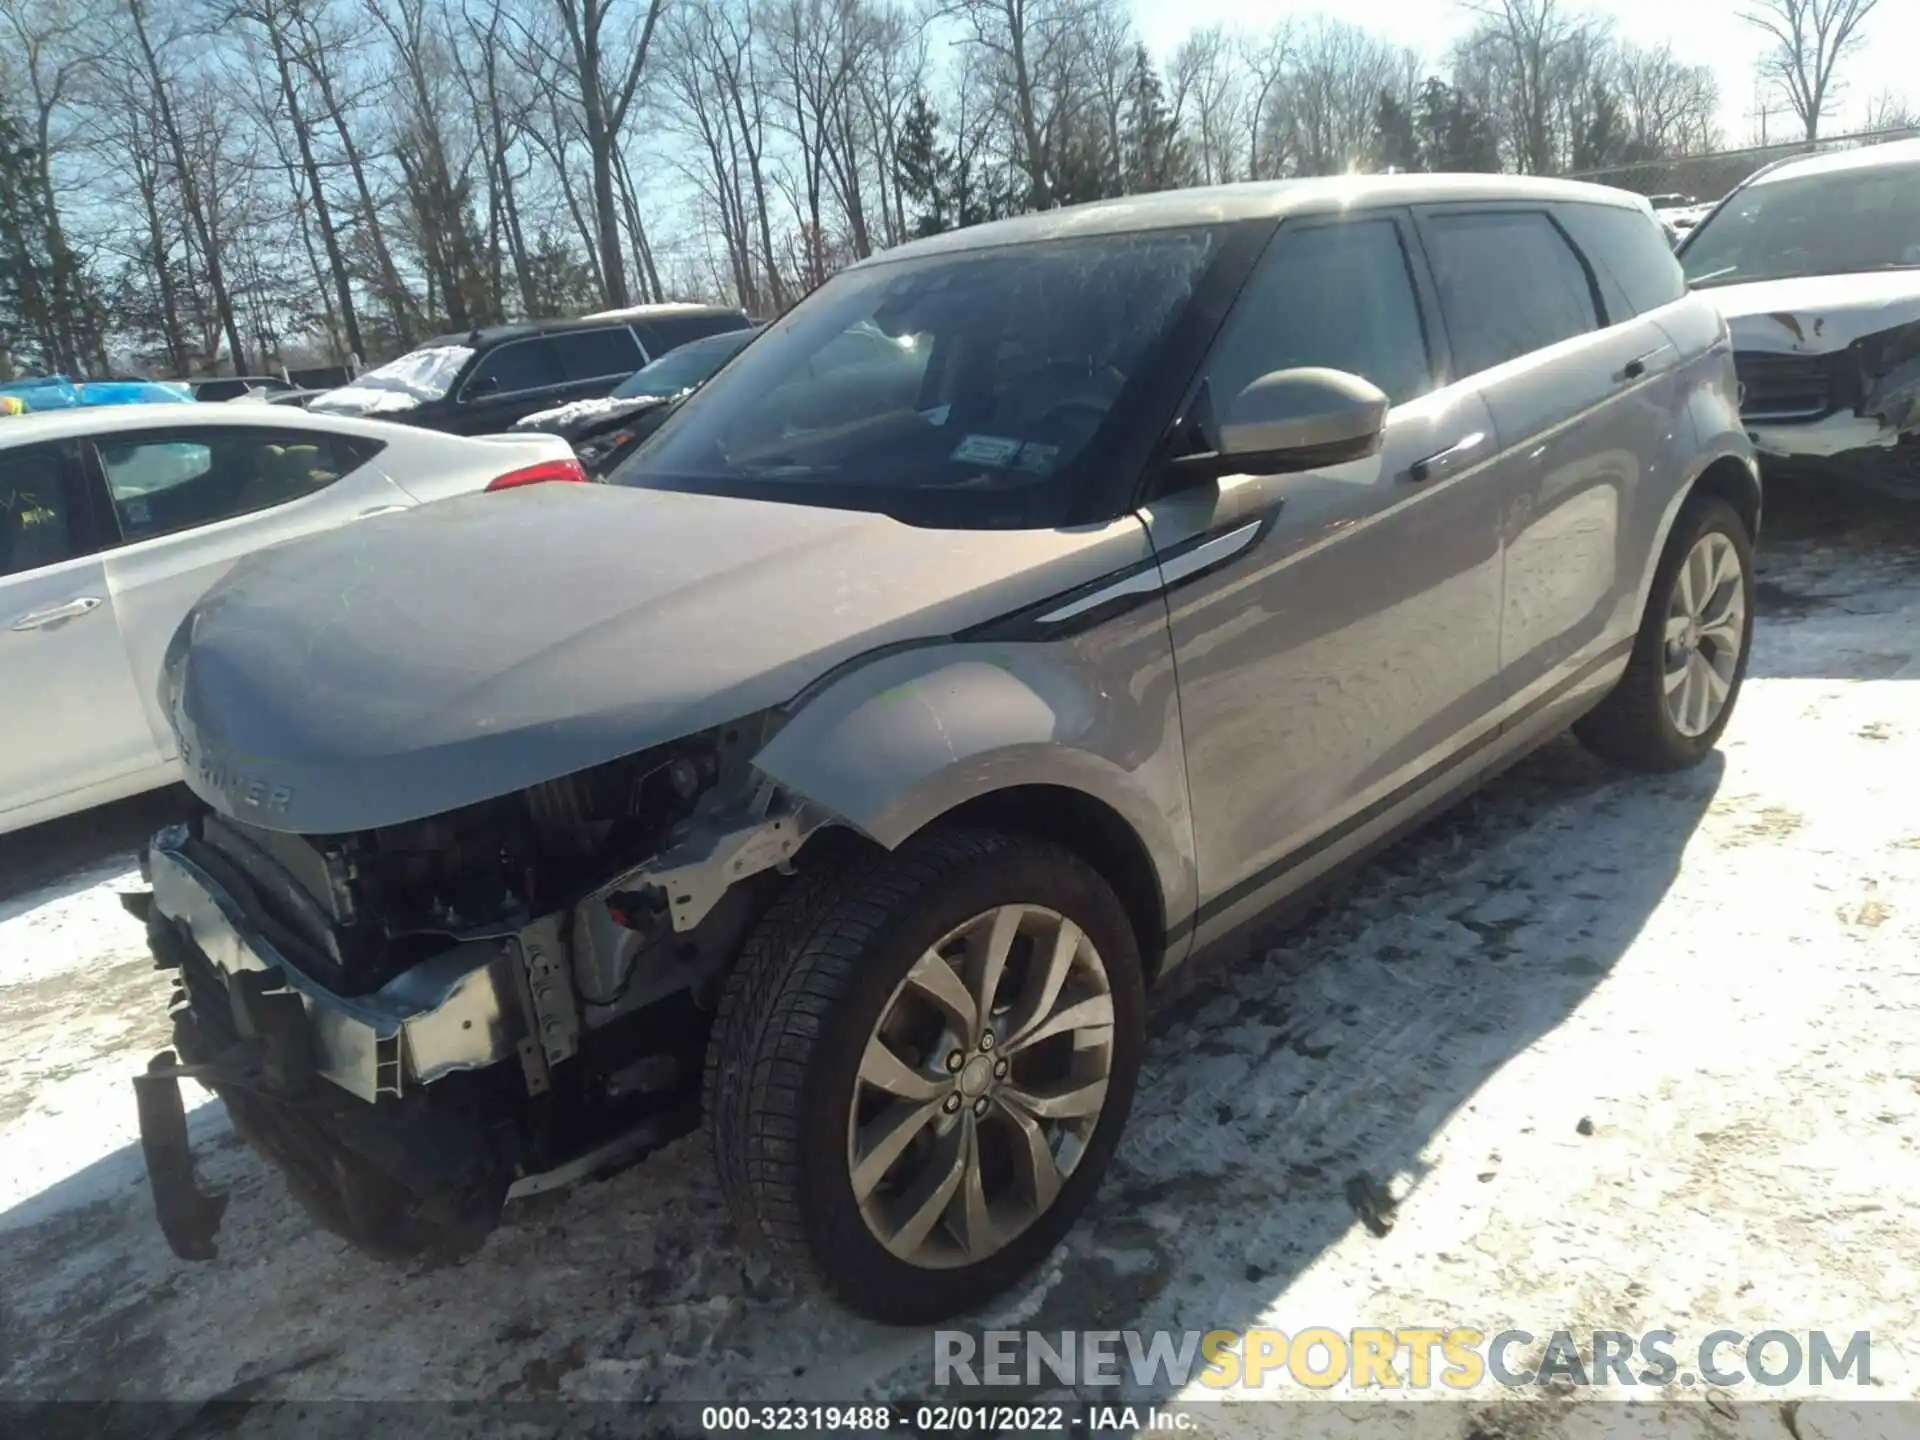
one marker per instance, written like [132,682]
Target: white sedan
[113,521]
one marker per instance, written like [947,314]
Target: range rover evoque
[849,764]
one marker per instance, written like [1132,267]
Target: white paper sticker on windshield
[986,450]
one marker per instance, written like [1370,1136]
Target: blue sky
[1703,31]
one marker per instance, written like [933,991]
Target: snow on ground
[1628,1053]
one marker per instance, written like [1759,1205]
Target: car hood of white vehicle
[414,663]
[1817,314]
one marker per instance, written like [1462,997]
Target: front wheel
[918,1075]
[1689,660]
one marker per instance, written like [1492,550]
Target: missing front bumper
[402,1121]
[459,1011]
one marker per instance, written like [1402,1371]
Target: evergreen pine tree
[50,317]
[1153,156]
[1394,144]
[925,169]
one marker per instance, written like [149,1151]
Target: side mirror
[478,388]
[1302,419]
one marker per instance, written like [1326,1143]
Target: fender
[892,745]
[1713,411]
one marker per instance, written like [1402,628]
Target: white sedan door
[193,499]
[70,722]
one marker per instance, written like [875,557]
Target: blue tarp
[56,392]
[53,392]
[132,392]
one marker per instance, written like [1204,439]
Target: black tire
[794,1019]
[1631,727]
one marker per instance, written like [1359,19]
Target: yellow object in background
[12,405]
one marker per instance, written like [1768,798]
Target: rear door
[1336,631]
[69,715]
[189,501]
[1581,406]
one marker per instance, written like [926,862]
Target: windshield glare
[971,376]
[1837,224]
[679,369]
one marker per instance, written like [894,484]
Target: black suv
[482,382]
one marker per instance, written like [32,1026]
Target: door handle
[53,614]
[380,510]
[1641,366]
[1441,461]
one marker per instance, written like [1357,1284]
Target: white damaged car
[1815,263]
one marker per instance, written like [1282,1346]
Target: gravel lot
[1628,1054]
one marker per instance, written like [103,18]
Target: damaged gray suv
[848,768]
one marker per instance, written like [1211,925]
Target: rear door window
[1510,284]
[163,482]
[1630,253]
[611,353]
[40,522]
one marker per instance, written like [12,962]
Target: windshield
[683,368]
[956,385]
[416,377]
[1843,223]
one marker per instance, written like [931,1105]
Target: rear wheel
[918,1075]
[1690,657]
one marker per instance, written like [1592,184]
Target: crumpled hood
[413,663]
[1817,314]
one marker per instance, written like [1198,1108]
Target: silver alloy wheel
[981,1086]
[1706,625]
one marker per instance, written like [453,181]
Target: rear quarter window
[1628,248]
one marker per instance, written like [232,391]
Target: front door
[1336,632]
[70,718]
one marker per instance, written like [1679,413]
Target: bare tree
[498,110]
[185,176]
[271,19]
[1039,54]
[1320,114]
[1267,58]
[54,49]
[1810,39]
[1889,112]
[435,164]
[708,77]
[816,51]
[1670,106]
[595,64]
[325,54]
[1528,54]
[895,72]
[1209,94]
